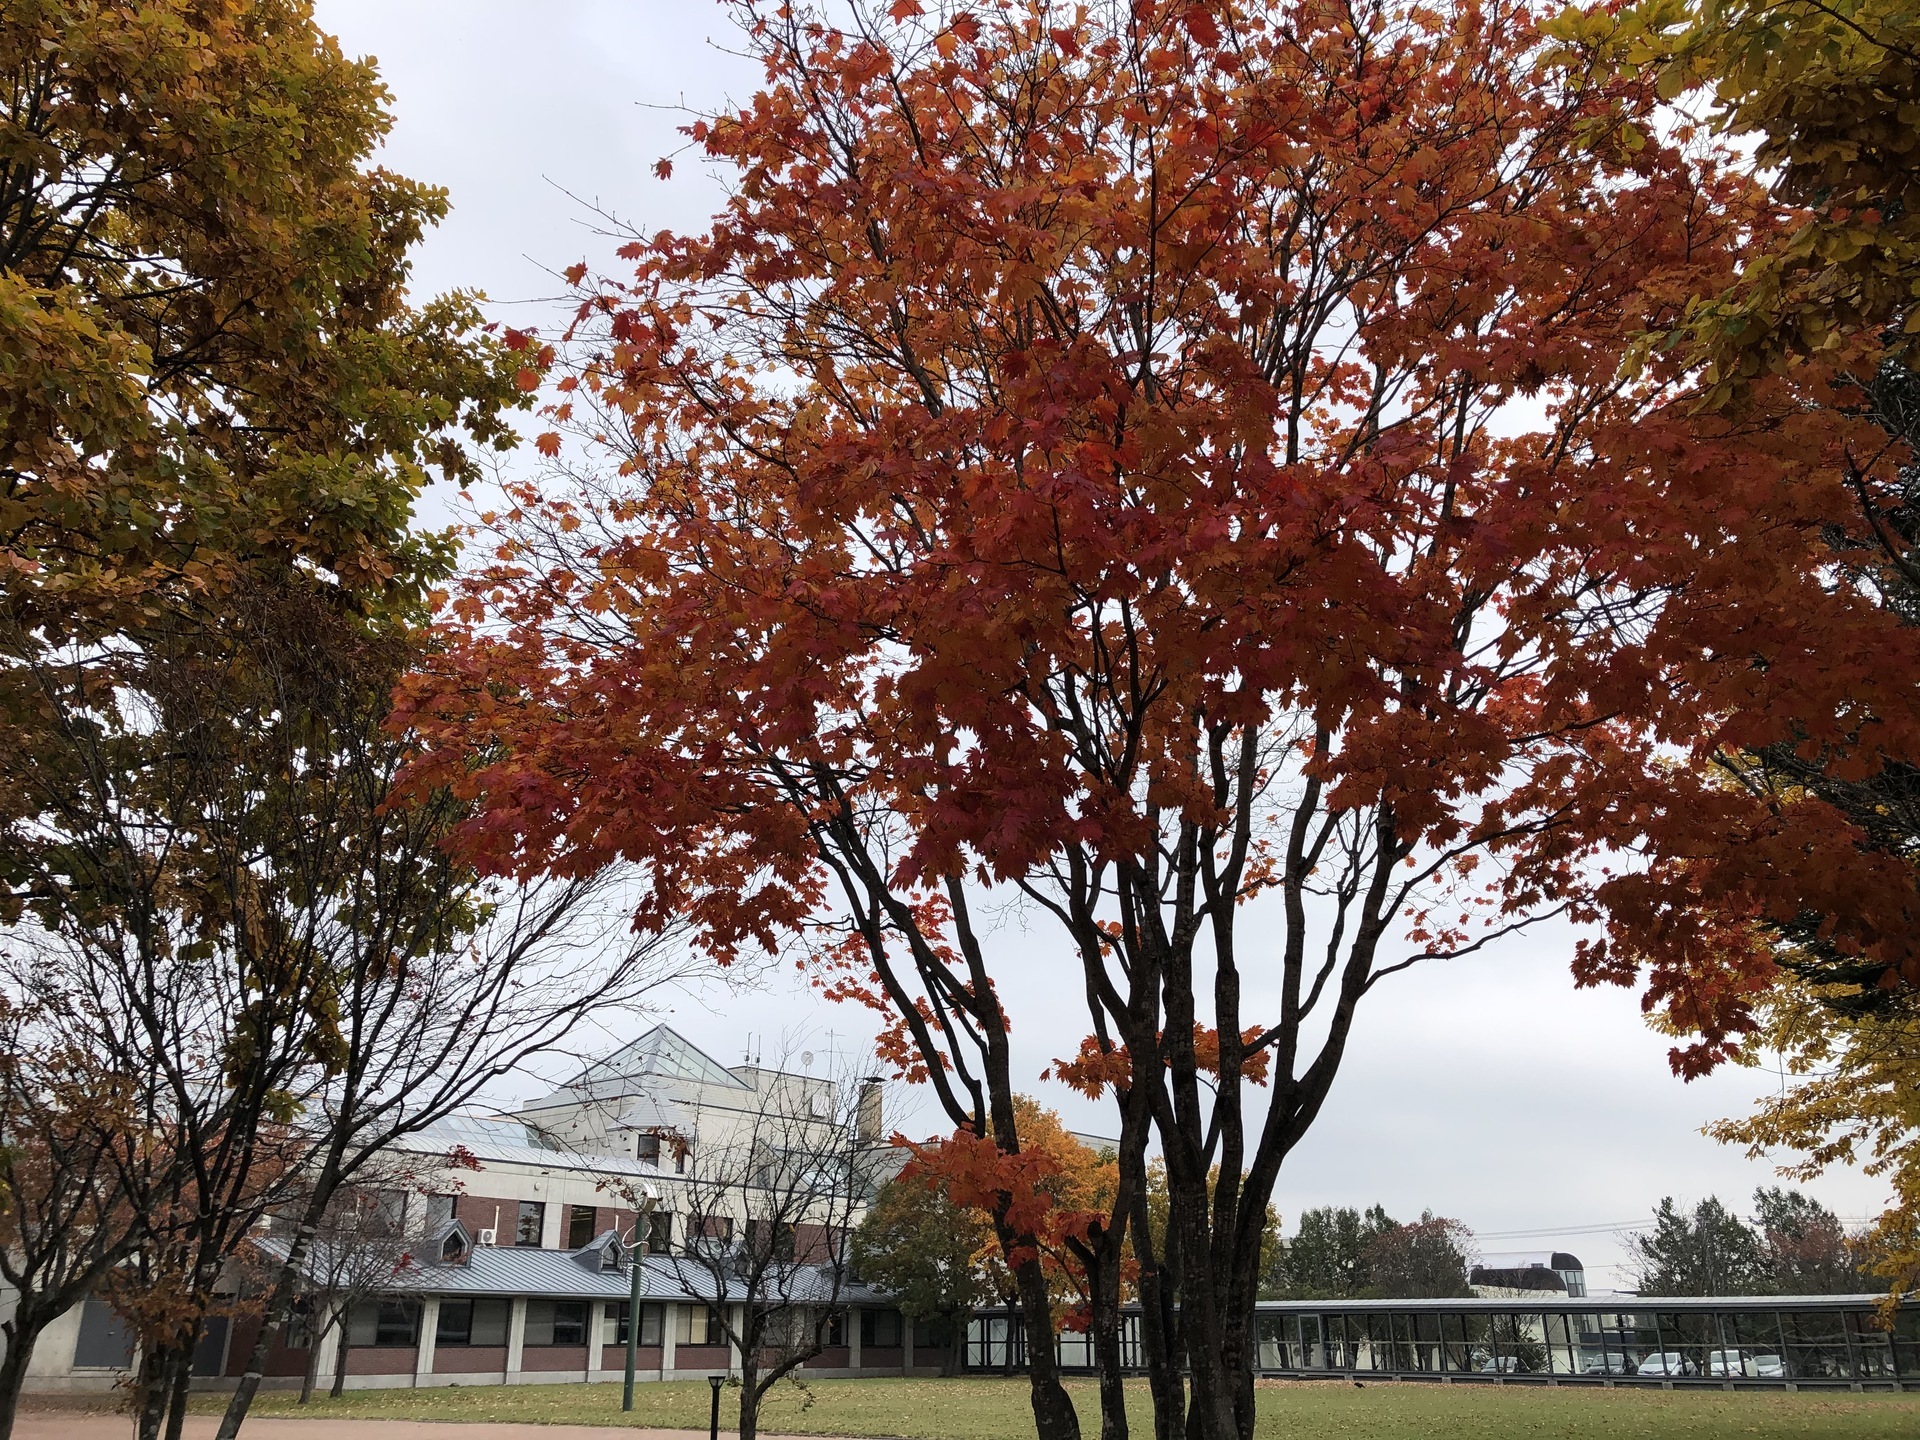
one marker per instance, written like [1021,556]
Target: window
[880,1329]
[453,1249]
[772,1238]
[660,1232]
[299,1331]
[385,1324]
[439,1210]
[390,1206]
[699,1325]
[650,1326]
[682,1157]
[556,1322]
[579,1226]
[707,1233]
[834,1332]
[647,1149]
[472,1322]
[533,1219]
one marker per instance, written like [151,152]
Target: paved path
[91,1425]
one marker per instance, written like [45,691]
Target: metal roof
[556,1274]
[661,1053]
[512,1270]
[507,1141]
[1551,1302]
[1558,1303]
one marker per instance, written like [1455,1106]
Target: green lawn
[983,1409]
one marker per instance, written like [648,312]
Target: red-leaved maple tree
[1133,466]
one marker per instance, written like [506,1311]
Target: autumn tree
[360,1248]
[1790,915]
[1848,1100]
[1153,469]
[66,1138]
[1424,1259]
[929,1254]
[1807,1249]
[1824,93]
[220,409]
[203,292]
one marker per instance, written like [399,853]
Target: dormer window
[450,1244]
[647,1150]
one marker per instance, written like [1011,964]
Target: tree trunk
[749,1393]
[1159,1334]
[341,1319]
[158,1366]
[177,1397]
[1210,1411]
[23,1330]
[1054,1417]
[272,1320]
[1105,1328]
[310,1373]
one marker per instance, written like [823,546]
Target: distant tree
[1806,1249]
[929,1253]
[359,1247]
[770,1210]
[1426,1259]
[1064,1191]
[67,1135]
[1328,1255]
[1711,1252]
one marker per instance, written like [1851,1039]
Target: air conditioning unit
[487,1237]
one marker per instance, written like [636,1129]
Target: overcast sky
[1486,1089]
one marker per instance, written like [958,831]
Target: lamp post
[636,1262]
[713,1420]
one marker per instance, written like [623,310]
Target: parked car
[1501,1365]
[1745,1364]
[1609,1364]
[1664,1362]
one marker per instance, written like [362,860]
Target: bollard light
[713,1423]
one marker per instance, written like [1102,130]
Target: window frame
[536,1211]
[575,1214]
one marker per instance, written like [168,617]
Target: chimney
[866,1121]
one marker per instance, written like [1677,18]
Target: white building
[527,1227]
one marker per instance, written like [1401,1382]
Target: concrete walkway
[66,1424]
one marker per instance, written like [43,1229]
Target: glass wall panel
[1685,1337]
[1816,1345]
[1273,1343]
[1403,1358]
[1333,1336]
[1312,1345]
[1906,1343]
[1464,1341]
[1373,1341]
[1871,1346]
[1749,1347]
[1426,1341]
[1562,1352]
[1515,1345]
